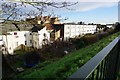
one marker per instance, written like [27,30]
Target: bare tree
[14,9]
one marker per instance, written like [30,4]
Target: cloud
[86,6]
[69,0]
[93,0]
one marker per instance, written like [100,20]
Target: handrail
[87,69]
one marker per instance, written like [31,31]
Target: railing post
[112,63]
[117,59]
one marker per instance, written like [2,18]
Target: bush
[102,35]
[55,50]
[117,27]
[32,58]
[84,41]
[90,39]
[111,31]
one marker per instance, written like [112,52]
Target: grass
[19,52]
[67,65]
[18,58]
[118,77]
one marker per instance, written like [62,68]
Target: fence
[103,66]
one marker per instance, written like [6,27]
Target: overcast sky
[88,11]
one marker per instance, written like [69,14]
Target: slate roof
[36,28]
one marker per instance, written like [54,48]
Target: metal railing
[103,66]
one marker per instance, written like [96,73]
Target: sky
[87,11]
[92,12]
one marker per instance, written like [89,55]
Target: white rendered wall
[41,36]
[71,31]
[12,41]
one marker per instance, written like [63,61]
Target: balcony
[103,66]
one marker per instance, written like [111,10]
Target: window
[10,48]
[15,33]
[24,34]
[31,41]
[44,35]
[36,34]
[67,33]
[25,42]
[30,33]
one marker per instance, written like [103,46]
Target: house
[100,27]
[37,37]
[40,36]
[66,31]
[110,26]
[74,30]
[43,19]
[12,40]
[89,29]
[55,20]
[1,40]
[58,32]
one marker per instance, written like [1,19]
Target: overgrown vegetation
[117,27]
[56,50]
[119,75]
[66,66]
[89,39]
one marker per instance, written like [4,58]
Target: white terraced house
[73,30]
[14,39]
[29,38]
[38,37]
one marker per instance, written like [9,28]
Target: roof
[58,26]
[49,26]
[36,28]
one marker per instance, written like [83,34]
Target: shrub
[32,58]
[84,41]
[55,50]
[111,31]
[117,27]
